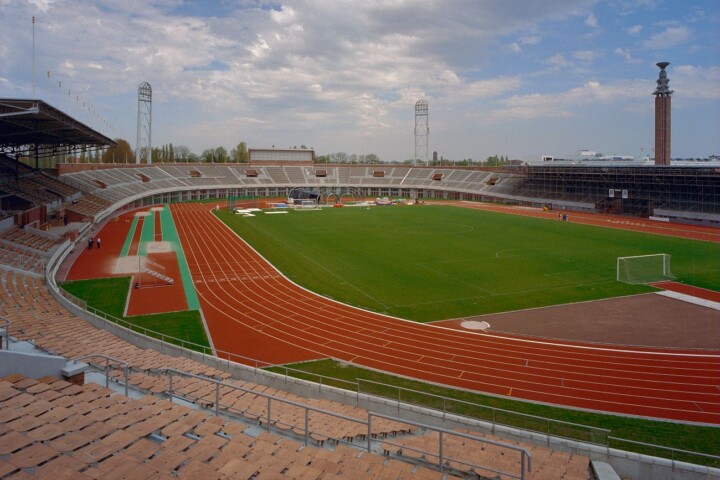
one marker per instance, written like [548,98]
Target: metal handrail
[524,453]
[7,332]
[672,450]
[605,432]
[109,359]
[525,456]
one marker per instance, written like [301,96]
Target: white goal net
[307,205]
[644,268]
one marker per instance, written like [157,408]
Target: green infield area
[436,262]
[108,295]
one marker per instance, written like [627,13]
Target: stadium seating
[50,428]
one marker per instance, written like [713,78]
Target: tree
[215,155]
[372,158]
[339,157]
[221,155]
[122,153]
[171,154]
[182,153]
[208,155]
[239,154]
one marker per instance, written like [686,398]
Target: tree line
[169,153]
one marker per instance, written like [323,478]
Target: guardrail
[442,458]
[675,456]
[522,421]
[7,332]
[108,359]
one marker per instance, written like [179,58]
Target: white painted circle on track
[473,325]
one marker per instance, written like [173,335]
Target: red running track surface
[252,310]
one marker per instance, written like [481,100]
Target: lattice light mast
[143,147]
[422,131]
[662,117]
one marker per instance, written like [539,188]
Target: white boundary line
[690,299]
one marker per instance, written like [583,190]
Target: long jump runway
[253,311]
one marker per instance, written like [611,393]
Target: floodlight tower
[662,117]
[144,124]
[422,131]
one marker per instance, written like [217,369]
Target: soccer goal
[644,268]
[307,205]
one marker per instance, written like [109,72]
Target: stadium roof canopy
[35,128]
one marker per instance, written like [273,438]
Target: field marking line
[689,299]
[299,254]
[444,274]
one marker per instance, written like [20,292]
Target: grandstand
[676,194]
[215,419]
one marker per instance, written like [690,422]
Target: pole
[33,55]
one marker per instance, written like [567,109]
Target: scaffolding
[629,190]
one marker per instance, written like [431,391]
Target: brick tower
[662,117]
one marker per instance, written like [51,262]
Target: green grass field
[109,295]
[436,262]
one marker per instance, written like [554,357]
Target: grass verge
[108,295]
[680,436]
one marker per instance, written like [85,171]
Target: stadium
[208,353]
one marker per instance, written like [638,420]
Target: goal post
[307,204]
[644,268]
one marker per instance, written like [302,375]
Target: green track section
[147,234]
[129,237]
[169,234]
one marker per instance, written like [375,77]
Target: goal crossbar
[644,268]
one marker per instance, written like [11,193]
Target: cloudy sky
[520,78]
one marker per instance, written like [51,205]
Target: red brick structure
[662,117]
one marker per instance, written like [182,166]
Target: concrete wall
[30,364]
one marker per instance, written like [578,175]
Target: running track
[252,310]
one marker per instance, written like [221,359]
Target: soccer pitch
[436,262]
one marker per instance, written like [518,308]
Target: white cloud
[586,56]
[42,5]
[559,61]
[530,40]
[591,21]
[525,40]
[570,103]
[626,55]
[670,37]
[328,71]
[692,82]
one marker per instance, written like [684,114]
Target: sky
[516,78]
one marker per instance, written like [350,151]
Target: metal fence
[443,458]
